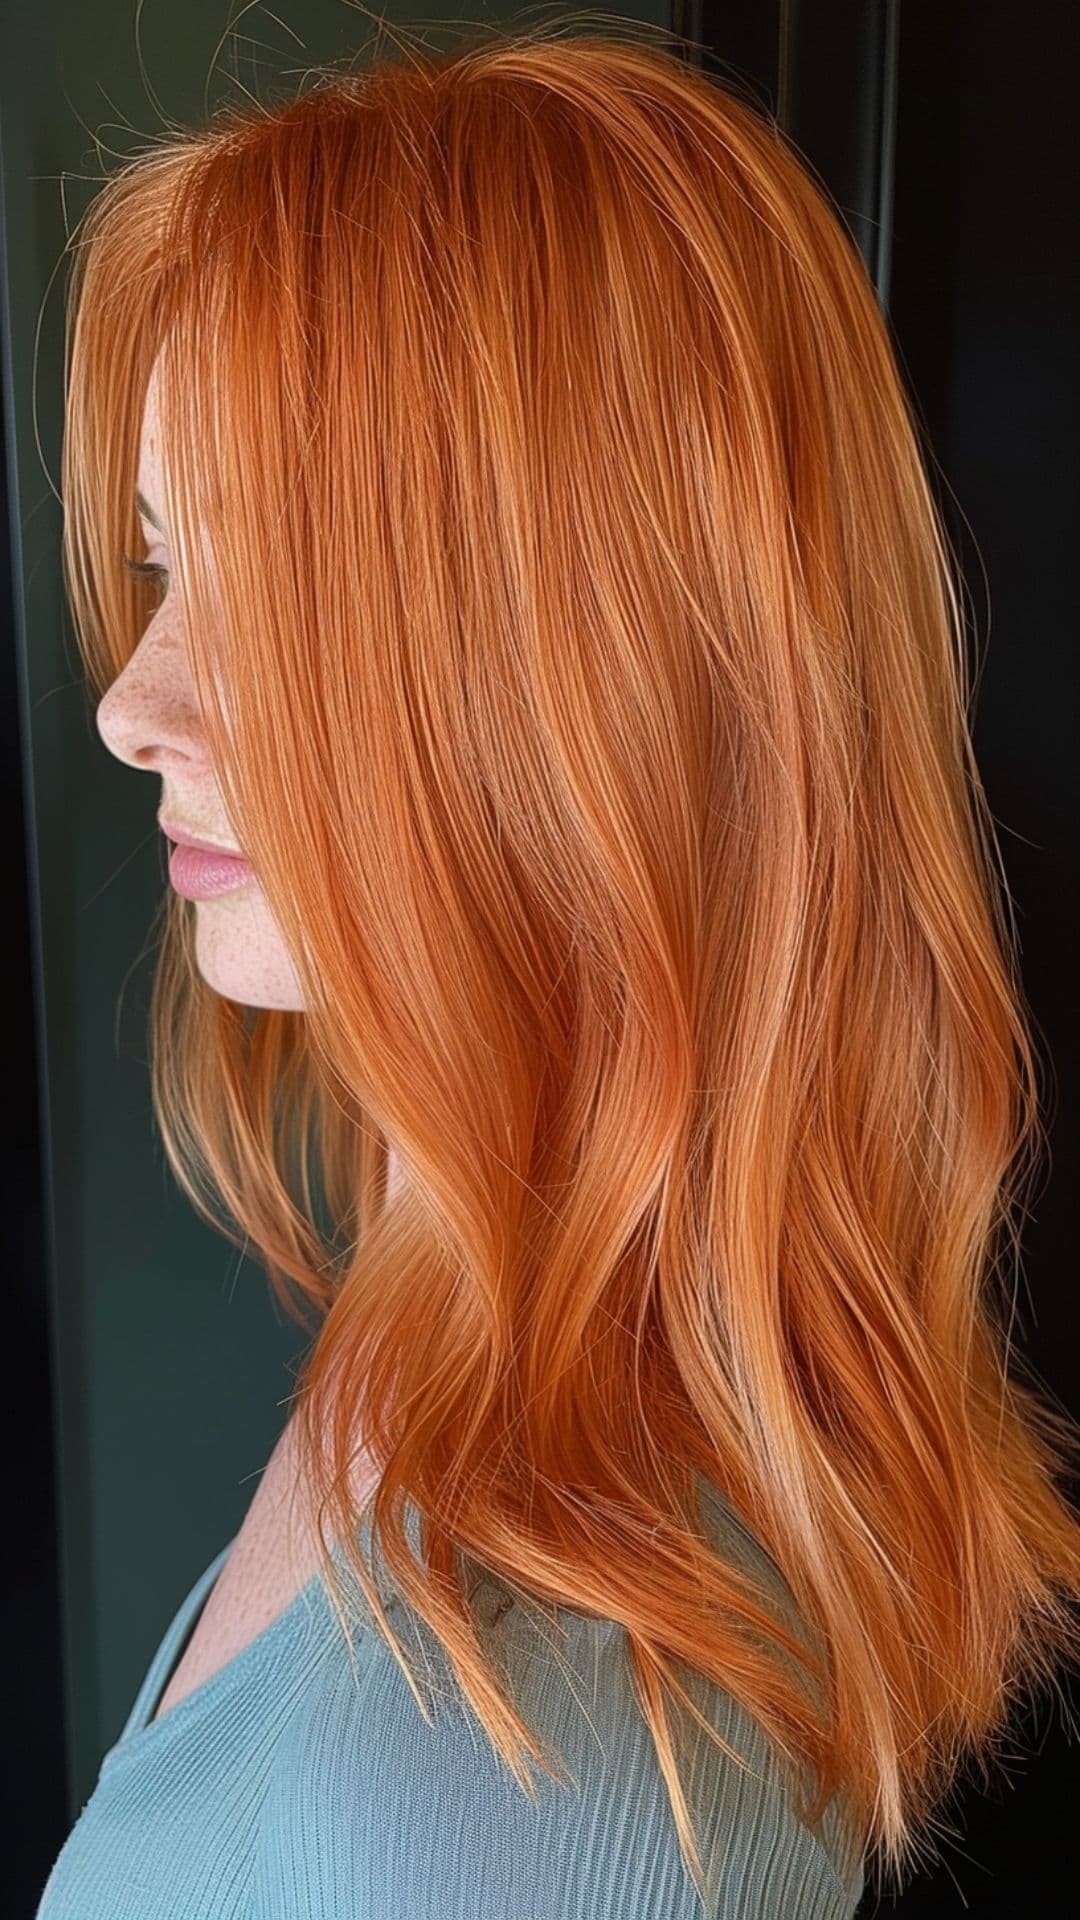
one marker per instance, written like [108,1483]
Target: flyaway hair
[585,673]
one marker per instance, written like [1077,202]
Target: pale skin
[150,719]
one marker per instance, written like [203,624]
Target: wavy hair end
[583,663]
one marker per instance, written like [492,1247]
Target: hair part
[542,489]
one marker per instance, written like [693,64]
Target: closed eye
[148,570]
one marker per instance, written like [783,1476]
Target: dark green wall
[171,1359]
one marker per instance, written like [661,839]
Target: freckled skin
[149,718]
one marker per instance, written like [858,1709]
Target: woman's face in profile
[150,718]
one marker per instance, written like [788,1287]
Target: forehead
[150,436]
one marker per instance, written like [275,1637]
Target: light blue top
[286,1787]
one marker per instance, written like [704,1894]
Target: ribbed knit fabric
[289,1787]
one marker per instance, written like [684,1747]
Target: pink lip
[186,839]
[202,872]
[199,875]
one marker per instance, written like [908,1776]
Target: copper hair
[584,662]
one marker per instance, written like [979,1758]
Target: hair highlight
[543,492]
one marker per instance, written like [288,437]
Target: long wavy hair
[584,664]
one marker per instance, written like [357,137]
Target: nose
[150,717]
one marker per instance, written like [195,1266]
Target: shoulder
[422,1807]
[605,1843]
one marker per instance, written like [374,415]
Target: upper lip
[186,839]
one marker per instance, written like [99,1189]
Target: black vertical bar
[828,74]
[36,1733]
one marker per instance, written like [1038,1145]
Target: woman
[593,1001]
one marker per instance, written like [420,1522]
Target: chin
[241,955]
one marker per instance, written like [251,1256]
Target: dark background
[147,1364]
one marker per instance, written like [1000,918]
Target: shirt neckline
[141,1727]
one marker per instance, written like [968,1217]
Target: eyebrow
[147,510]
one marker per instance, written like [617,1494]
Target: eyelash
[147,570]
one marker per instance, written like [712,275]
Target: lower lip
[200,875]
